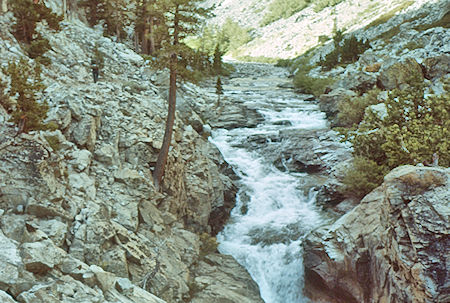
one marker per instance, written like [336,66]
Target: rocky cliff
[80,219]
[392,247]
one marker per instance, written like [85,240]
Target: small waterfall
[272,213]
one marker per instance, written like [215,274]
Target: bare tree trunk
[64,8]
[152,37]
[164,152]
[4,6]
[145,37]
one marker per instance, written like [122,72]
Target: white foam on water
[266,238]
[272,214]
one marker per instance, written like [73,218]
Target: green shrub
[351,111]
[38,47]
[26,86]
[364,176]
[284,63]
[54,143]
[414,129]
[310,85]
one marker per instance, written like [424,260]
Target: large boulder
[390,248]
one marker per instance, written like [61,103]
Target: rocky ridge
[80,218]
[392,247]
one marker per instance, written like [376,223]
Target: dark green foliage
[26,87]
[345,51]
[182,19]
[28,14]
[351,111]
[38,47]
[113,12]
[284,63]
[95,10]
[217,63]
[364,176]
[54,142]
[229,38]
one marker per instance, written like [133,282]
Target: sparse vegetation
[283,9]
[208,245]
[444,22]
[419,183]
[387,16]
[321,4]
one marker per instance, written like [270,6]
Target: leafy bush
[26,86]
[364,176]
[283,9]
[415,130]
[351,111]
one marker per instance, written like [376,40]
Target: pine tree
[182,18]
[217,63]
[27,14]
[26,87]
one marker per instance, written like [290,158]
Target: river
[275,206]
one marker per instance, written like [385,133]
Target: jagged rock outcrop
[392,247]
[80,219]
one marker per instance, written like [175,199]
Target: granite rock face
[392,247]
[80,219]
